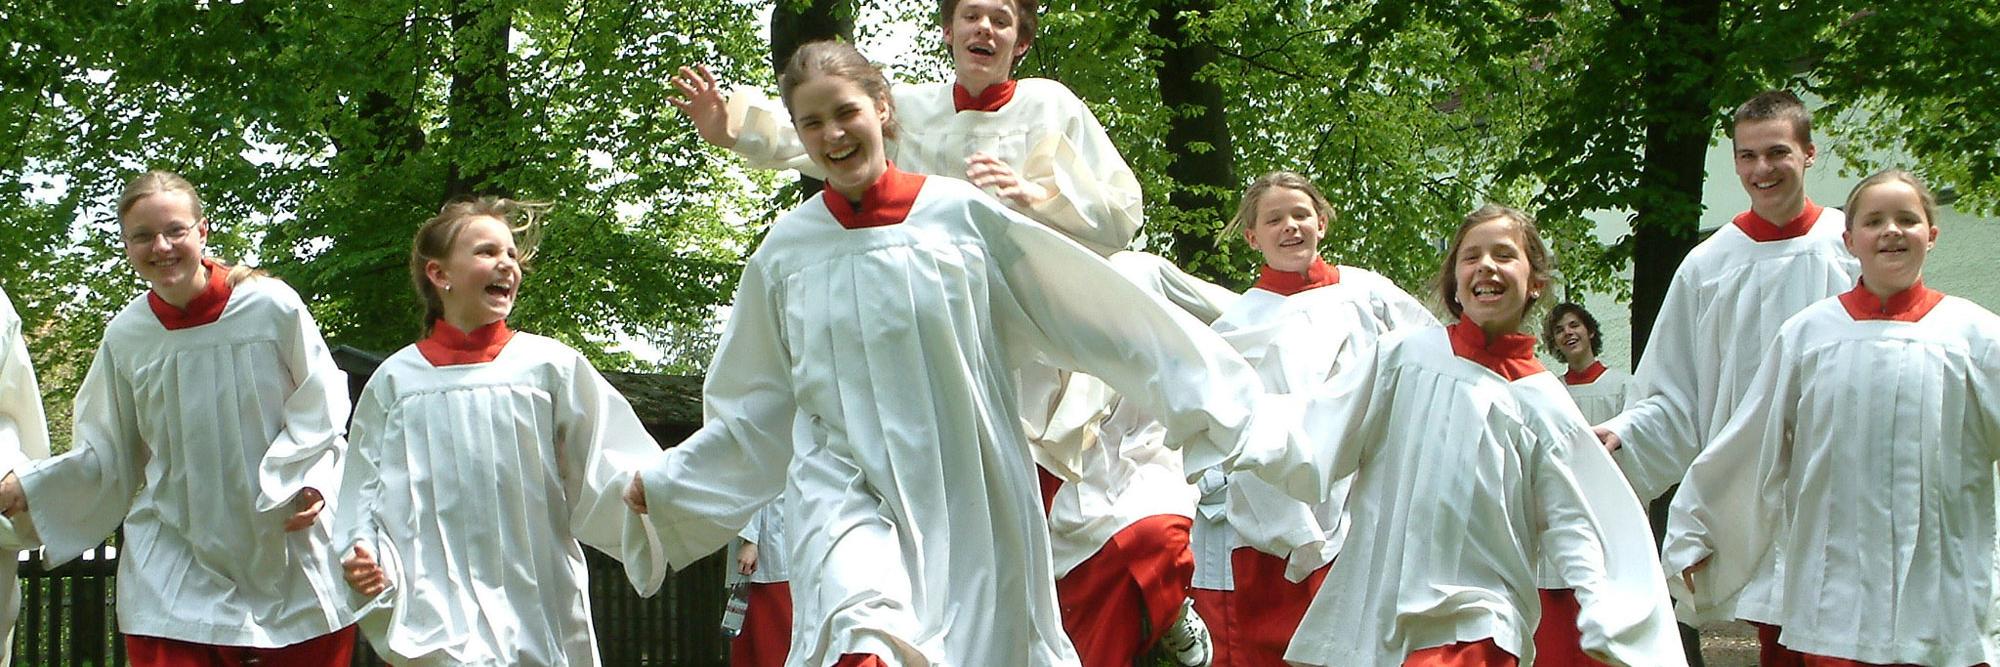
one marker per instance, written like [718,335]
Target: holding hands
[363,574]
[13,501]
[307,504]
[635,495]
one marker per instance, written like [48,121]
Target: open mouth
[1764,185]
[1488,291]
[984,50]
[1287,243]
[843,153]
[503,289]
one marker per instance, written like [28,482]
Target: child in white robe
[1865,443]
[209,426]
[867,372]
[1261,555]
[1471,469]
[24,437]
[481,457]
[1571,333]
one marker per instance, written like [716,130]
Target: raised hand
[702,102]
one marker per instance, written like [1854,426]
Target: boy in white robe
[867,373]
[1571,333]
[24,437]
[1725,303]
[209,426]
[1866,444]
[481,458]
[1471,469]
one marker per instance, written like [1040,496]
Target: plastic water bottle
[732,611]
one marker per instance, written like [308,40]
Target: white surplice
[1463,483]
[869,375]
[473,484]
[768,531]
[24,437]
[1603,398]
[1873,443]
[196,439]
[1296,344]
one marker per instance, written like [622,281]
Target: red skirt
[1557,641]
[1118,602]
[766,639]
[1482,653]
[333,649]
[1253,625]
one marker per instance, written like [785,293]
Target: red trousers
[1557,641]
[767,628]
[1811,660]
[1770,653]
[334,649]
[1482,653]
[860,660]
[1252,625]
[1120,601]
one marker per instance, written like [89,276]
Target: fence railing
[68,620]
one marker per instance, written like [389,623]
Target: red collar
[1511,356]
[1320,274]
[1908,305]
[204,308]
[885,203]
[991,99]
[1765,231]
[447,346]
[1585,376]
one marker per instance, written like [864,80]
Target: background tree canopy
[321,133]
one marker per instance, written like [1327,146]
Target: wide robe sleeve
[24,431]
[357,519]
[703,491]
[1093,195]
[308,449]
[1308,440]
[600,444]
[765,137]
[1731,503]
[76,499]
[1147,351]
[1657,432]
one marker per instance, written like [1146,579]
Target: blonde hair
[1541,263]
[437,235]
[157,181]
[1246,211]
[839,59]
[1892,175]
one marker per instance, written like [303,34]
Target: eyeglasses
[174,234]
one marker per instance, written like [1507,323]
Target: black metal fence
[67,618]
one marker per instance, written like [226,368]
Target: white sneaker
[1187,639]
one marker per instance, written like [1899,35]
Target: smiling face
[984,37]
[164,240]
[1287,229]
[841,127]
[1495,279]
[479,278]
[1572,338]
[1771,161]
[1891,235]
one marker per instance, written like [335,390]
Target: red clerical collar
[885,203]
[447,346]
[1765,231]
[1908,305]
[1512,356]
[991,99]
[1585,376]
[204,308]
[1320,274]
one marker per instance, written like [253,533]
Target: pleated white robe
[1296,344]
[1601,399]
[197,439]
[24,437]
[1872,442]
[1724,304]
[869,375]
[1462,484]
[473,484]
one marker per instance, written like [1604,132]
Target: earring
[447,287]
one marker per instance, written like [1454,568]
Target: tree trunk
[795,24]
[481,99]
[1677,91]
[1203,167]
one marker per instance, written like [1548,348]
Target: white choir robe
[1725,302]
[1463,483]
[24,437]
[869,375]
[1296,344]
[472,485]
[1601,399]
[196,439]
[768,531]
[1872,442]
[1045,133]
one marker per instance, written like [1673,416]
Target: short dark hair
[1555,318]
[1776,105]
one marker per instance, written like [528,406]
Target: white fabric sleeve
[76,499]
[308,449]
[1596,535]
[1150,353]
[701,492]
[1657,432]
[1204,300]
[600,445]
[24,431]
[1278,524]
[1094,197]
[1307,441]
[1729,509]
[1062,430]
[765,137]
[356,519]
